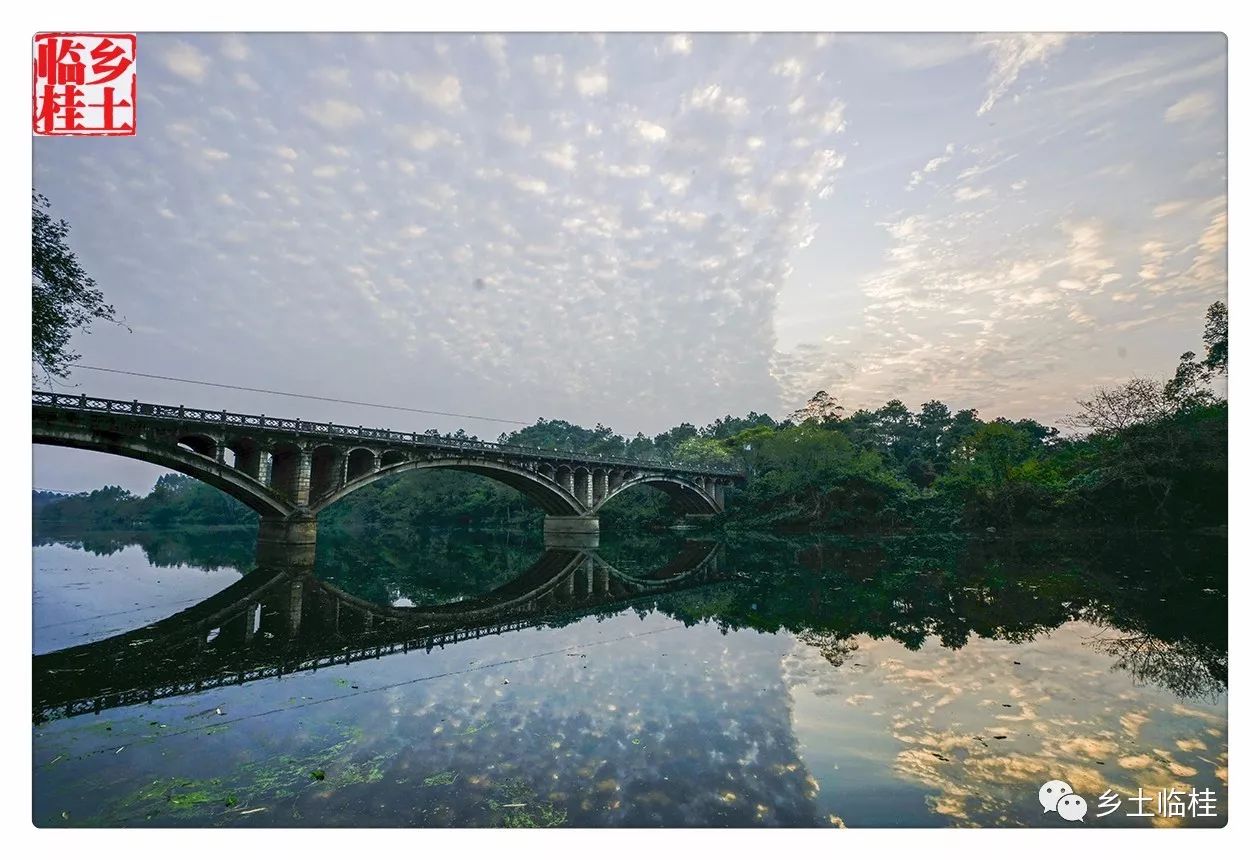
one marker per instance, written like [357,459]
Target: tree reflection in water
[1189,670]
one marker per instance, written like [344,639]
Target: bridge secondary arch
[199,443]
[689,497]
[327,465]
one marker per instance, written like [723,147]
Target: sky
[644,229]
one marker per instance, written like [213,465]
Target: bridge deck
[345,433]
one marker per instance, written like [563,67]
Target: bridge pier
[286,541]
[570,532]
[583,486]
[302,481]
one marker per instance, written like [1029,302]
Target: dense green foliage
[174,499]
[1150,455]
[1147,455]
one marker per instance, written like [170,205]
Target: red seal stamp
[83,84]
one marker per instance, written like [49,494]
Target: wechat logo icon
[1057,796]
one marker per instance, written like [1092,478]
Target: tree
[63,297]
[1216,338]
[1144,401]
[964,423]
[701,452]
[895,429]
[1190,386]
[1110,410]
[669,440]
[995,450]
[933,422]
[821,409]
[725,428]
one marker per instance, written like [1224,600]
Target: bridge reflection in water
[280,619]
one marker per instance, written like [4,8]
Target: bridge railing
[84,403]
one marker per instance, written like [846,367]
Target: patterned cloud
[641,229]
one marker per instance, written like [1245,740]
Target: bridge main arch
[553,498]
[178,458]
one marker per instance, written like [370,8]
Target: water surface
[478,679]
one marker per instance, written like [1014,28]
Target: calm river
[476,679]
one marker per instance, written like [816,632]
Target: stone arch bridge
[288,470]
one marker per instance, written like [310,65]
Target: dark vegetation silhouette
[64,298]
